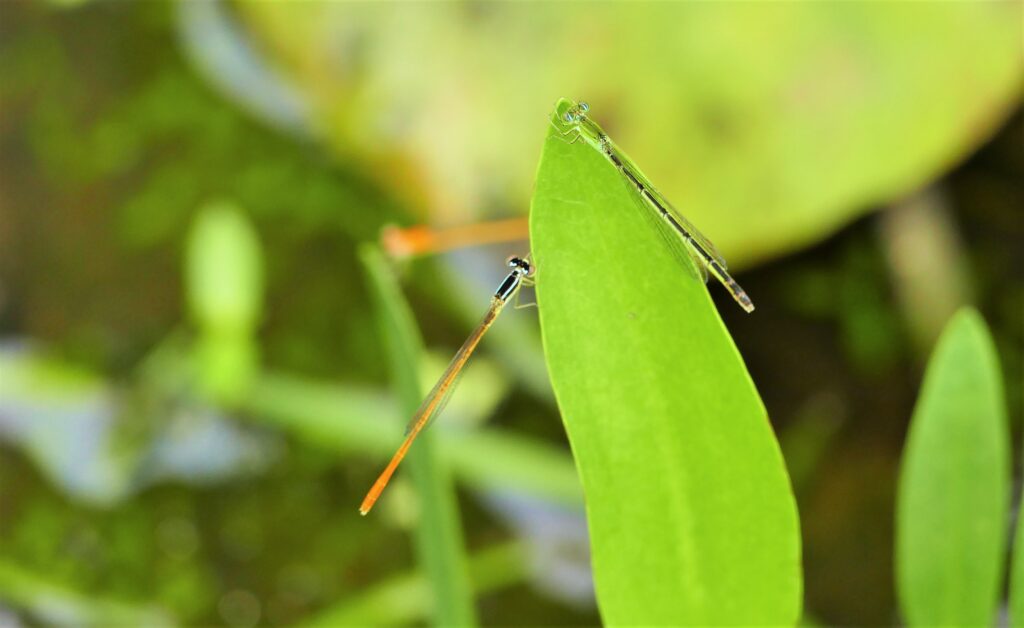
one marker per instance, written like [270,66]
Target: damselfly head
[521,264]
[577,112]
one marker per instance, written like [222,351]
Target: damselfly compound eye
[521,264]
[584,107]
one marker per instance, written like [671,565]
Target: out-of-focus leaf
[213,42]
[772,124]
[55,604]
[407,598]
[954,485]
[359,421]
[438,531]
[224,269]
[224,280]
[692,519]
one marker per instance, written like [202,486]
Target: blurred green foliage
[692,520]
[223,271]
[773,125]
[57,606]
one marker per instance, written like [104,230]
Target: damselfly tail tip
[739,294]
[746,303]
[368,503]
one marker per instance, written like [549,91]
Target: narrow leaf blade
[439,541]
[952,506]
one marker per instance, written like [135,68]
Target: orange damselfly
[421,240]
[521,272]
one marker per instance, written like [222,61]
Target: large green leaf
[772,123]
[955,484]
[691,515]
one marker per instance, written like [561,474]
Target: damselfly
[521,273]
[572,119]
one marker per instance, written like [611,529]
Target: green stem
[406,598]
[439,542]
[50,602]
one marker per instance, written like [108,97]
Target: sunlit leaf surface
[691,515]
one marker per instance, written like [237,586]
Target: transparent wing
[433,405]
[686,256]
[441,393]
[692,231]
[695,233]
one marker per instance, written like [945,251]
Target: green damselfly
[571,119]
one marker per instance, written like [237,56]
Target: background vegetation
[204,363]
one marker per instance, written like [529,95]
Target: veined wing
[441,393]
[684,254]
[699,238]
[433,404]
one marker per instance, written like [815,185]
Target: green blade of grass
[691,515]
[55,604]
[406,598]
[439,543]
[954,484]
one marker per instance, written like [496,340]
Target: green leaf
[224,284]
[954,484]
[692,519]
[774,123]
[53,603]
[224,269]
[439,541]
[406,598]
